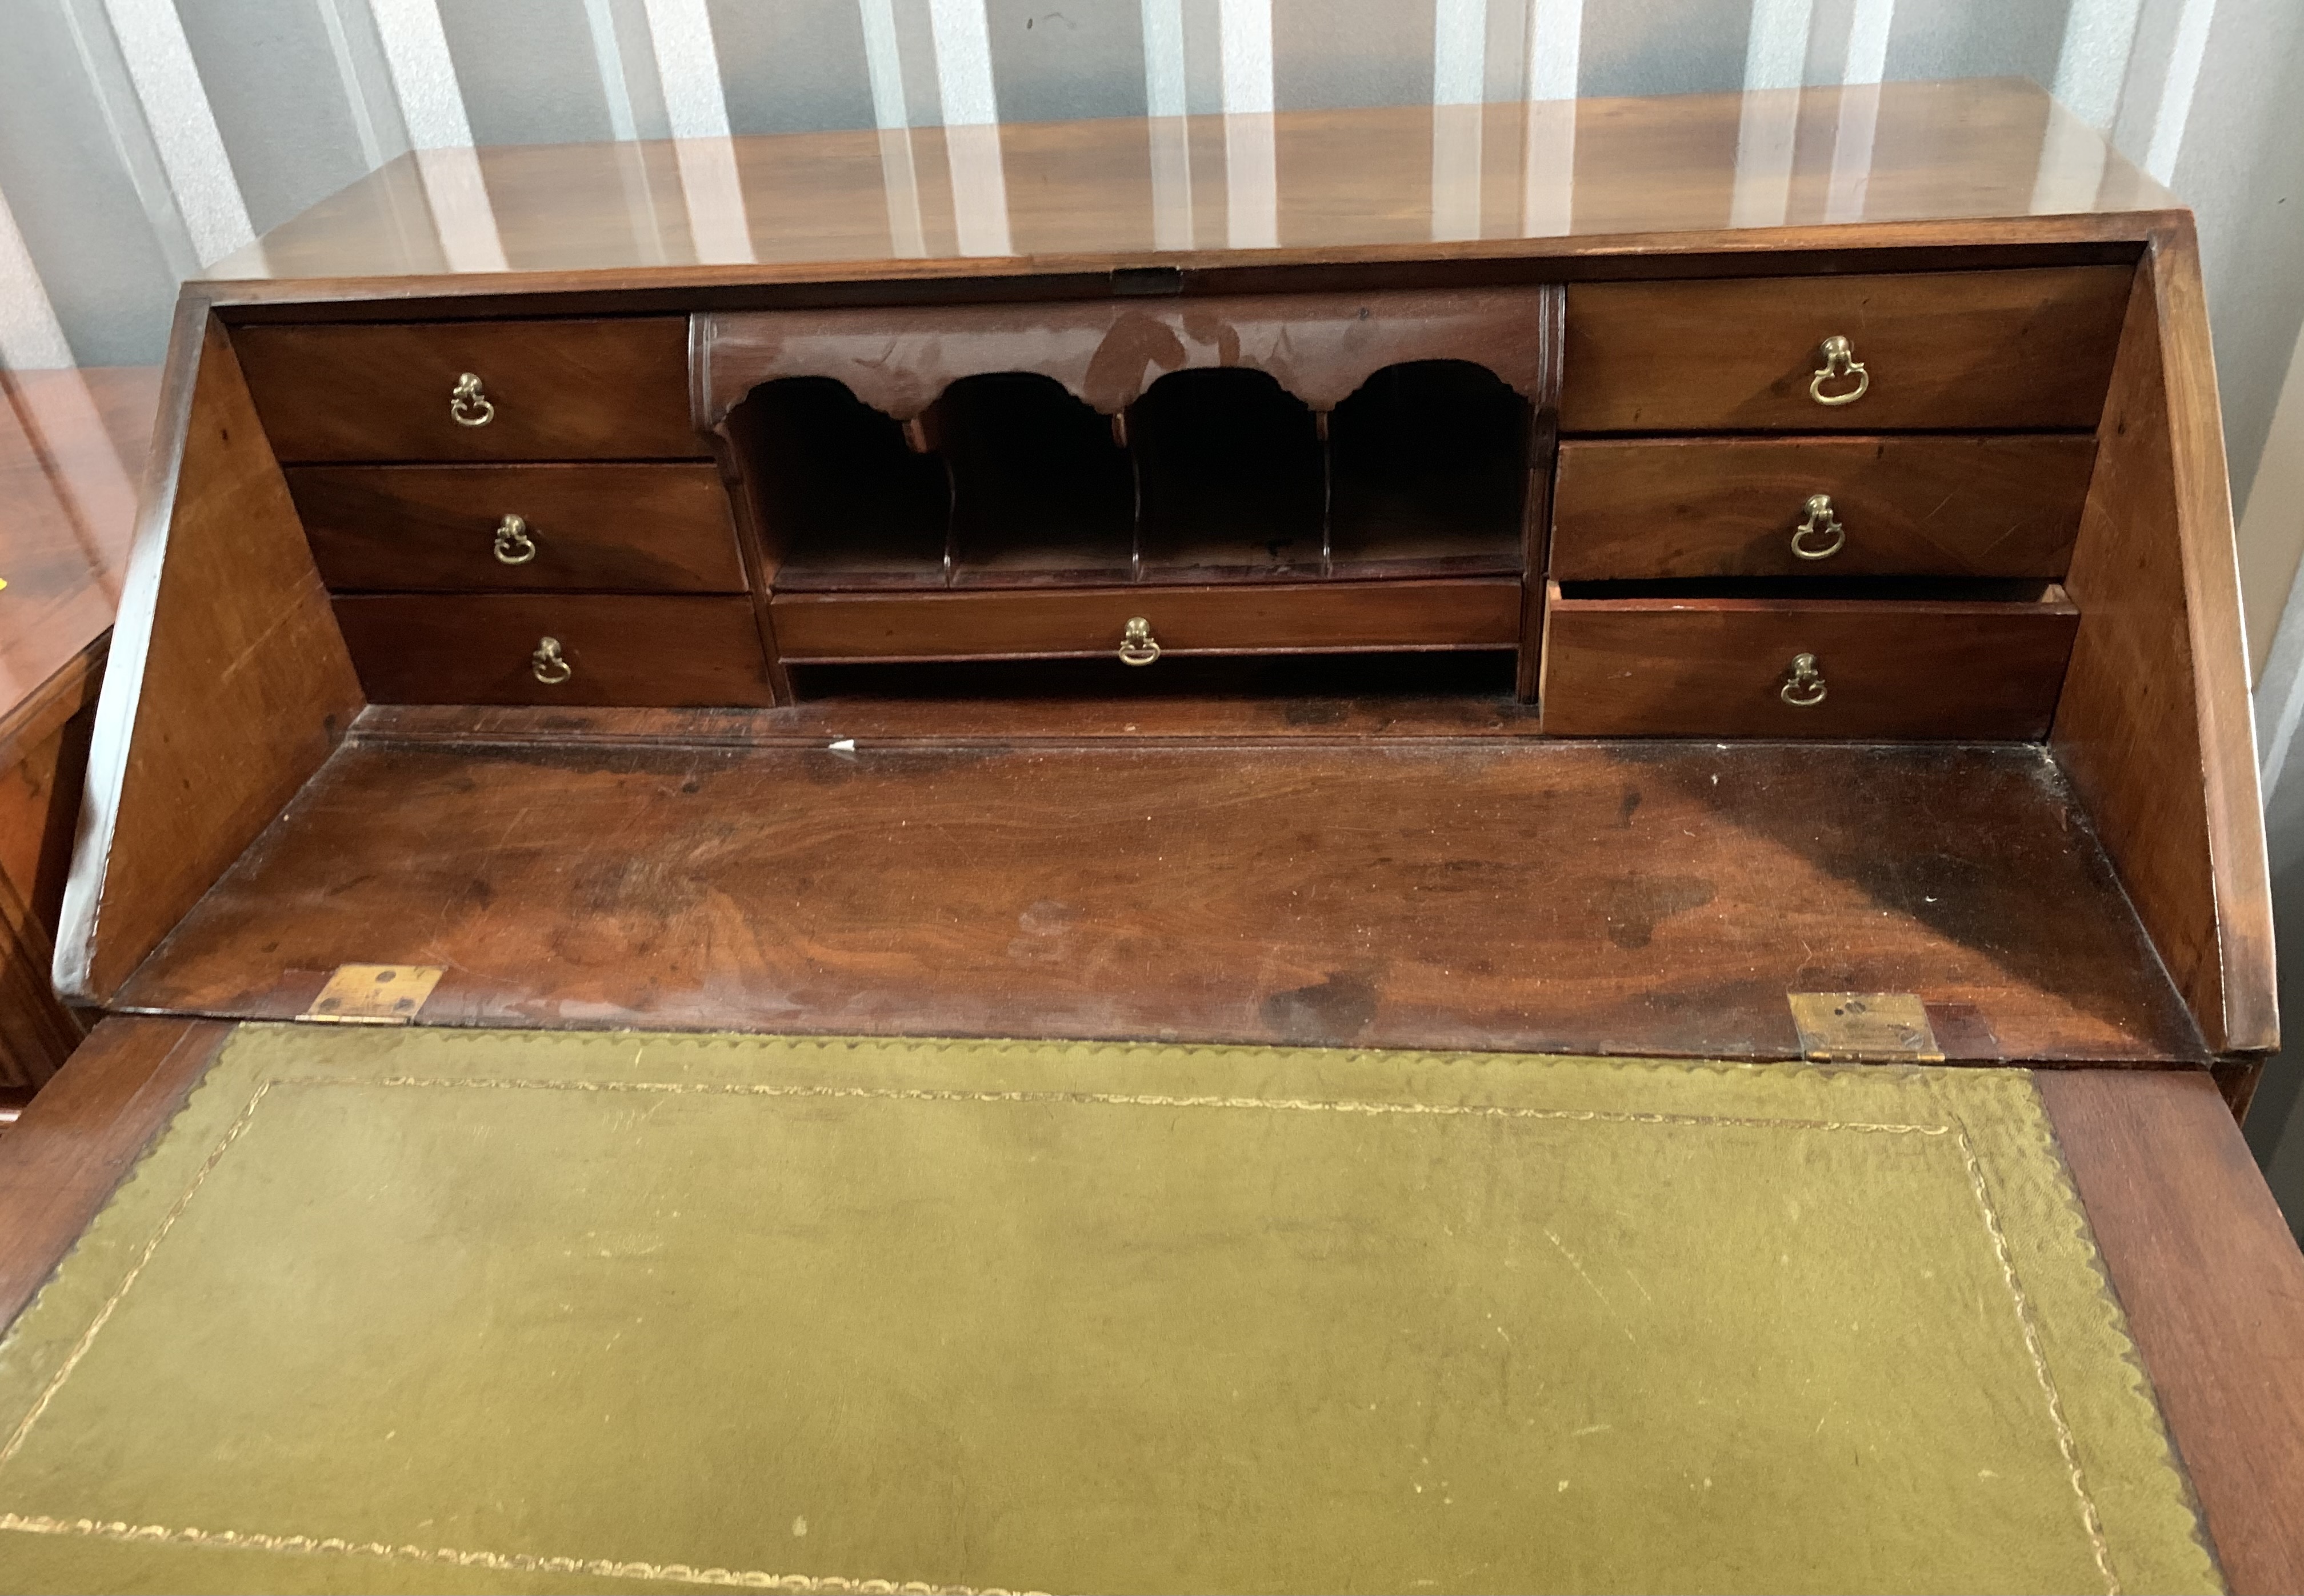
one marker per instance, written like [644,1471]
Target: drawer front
[655,652]
[1327,616]
[635,528]
[2030,348]
[548,390]
[1917,507]
[1725,669]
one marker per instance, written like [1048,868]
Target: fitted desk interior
[1394,632]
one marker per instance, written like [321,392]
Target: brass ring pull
[1821,523]
[547,665]
[515,546]
[1137,646]
[467,404]
[1803,685]
[1840,363]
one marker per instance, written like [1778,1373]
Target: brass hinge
[1883,1027]
[373,995]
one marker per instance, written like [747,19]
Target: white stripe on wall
[1245,29]
[1163,57]
[423,73]
[1867,43]
[695,95]
[608,56]
[1776,49]
[2185,55]
[1459,44]
[963,63]
[696,109]
[31,339]
[1555,47]
[882,63]
[2092,62]
[183,124]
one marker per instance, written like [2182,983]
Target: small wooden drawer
[635,528]
[2005,507]
[656,652]
[1729,667]
[2024,348]
[545,390]
[1309,617]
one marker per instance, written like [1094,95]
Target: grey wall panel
[1977,38]
[95,247]
[2242,169]
[528,70]
[793,67]
[1663,47]
[1336,53]
[274,80]
[1052,62]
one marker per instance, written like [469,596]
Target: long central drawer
[1307,618]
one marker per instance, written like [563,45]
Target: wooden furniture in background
[72,445]
[843,601]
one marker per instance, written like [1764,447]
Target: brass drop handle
[1840,363]
[467,404]
[1137,646]
[547,665]
[515,546]
[1803,684]
[1820,536]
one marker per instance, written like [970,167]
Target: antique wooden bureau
[1555,579]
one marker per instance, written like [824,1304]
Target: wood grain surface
[1467,612]
[2155,724]
[72,448]
[2005,349]
[817,205]
[1715,667]
[1909,506]
[228,682]
[84,1133]
[480,649]
[1580,896]
[563,389]
[2210,1274]
[638,529]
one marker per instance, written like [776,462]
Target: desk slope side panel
[229,683]
[2154,725]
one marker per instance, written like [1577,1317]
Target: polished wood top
[72,445]
[1450,179]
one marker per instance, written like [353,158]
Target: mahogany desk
[1559,579]
[71,447]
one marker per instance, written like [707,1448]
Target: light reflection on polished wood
[1341,180]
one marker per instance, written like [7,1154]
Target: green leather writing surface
[423,1310]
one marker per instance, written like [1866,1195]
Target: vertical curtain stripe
[695,96]
[183,124]
[1163,57]
[2092,62]
[423,73]
[608,54]
[1245,29]
[1775,50]
[1868,41]
[31,339]
[963,63]
[1460,42]
[1555,46]
[2184,57]
[882,63]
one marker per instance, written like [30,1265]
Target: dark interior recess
[1232,483]
[1041,489]
[844,501]
[1460,673]
[1429,471]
